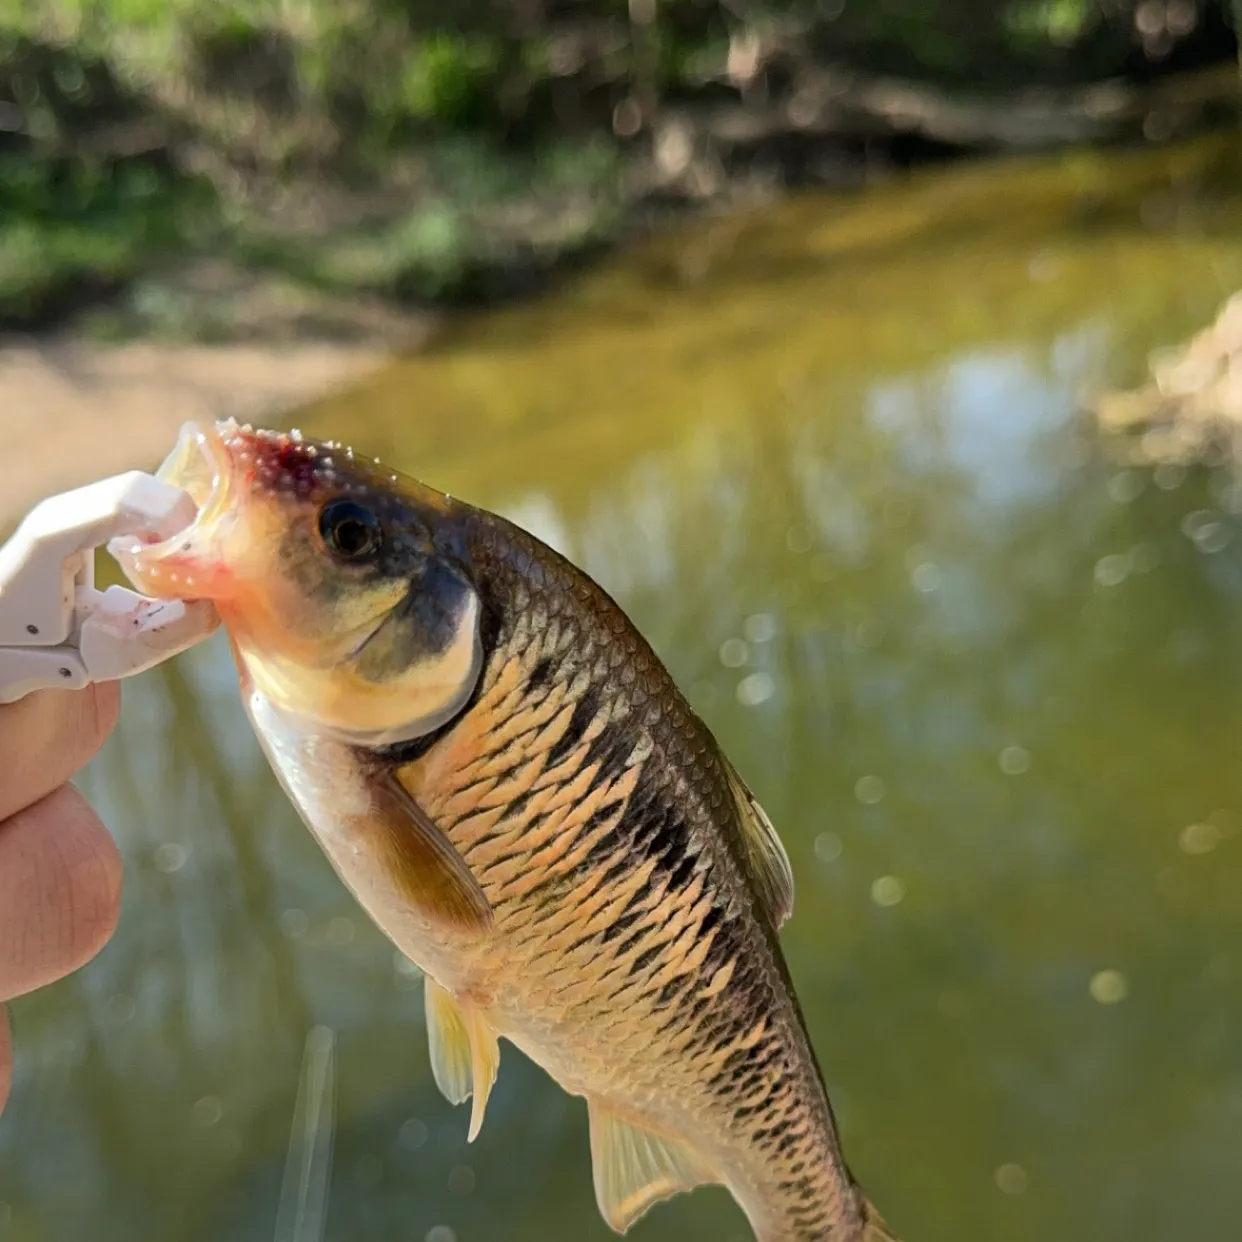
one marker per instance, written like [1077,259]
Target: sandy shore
[72,410]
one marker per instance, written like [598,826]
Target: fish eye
[350,530]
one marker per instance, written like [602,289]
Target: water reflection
[983,681]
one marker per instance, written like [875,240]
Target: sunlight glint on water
[304,1195]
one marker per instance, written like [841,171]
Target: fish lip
[200,444]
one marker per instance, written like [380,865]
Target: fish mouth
[181,566]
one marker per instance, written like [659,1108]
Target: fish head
[345,587]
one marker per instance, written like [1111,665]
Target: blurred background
[881,358]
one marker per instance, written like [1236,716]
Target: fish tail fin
[874,1227]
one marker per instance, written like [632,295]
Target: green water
[986,683]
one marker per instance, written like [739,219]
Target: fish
[505,776]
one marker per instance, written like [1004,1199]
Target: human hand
[60,873]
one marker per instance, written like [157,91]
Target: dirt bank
[73,410]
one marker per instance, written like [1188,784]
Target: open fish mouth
[199,462]
[201,466]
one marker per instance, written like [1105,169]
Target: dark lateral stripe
[610,748]
[681,874]
[722,948]
[711,920]
[585,711]
[541,675]
[669,839]
[671,991]
[645,958]
[653,830]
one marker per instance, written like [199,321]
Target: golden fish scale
[627,955]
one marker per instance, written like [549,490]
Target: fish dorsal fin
[421,861]
[765,854]
[635,1168]
[465,1053]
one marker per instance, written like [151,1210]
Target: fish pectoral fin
[768,861]
[465,1053]
[423,865]
[635,1168]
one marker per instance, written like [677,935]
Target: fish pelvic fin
[465,1053]
[634,1168]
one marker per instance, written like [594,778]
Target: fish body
[505,776]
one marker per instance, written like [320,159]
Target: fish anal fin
[634,1168]
[485,1058]
[874,1227]
[765,854]
[465,1053]
[421,861]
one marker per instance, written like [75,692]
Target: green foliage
[67,227]
[450,248]
[447,78]
[1050,22]
[346,91]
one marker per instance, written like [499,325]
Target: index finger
[48,736]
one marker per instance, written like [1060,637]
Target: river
[830,457]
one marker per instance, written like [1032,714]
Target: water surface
[987,684]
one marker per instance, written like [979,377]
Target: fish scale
[760,1099]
